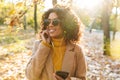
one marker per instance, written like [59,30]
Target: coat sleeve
[81,67]
[37,61]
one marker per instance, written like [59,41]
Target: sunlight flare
[88,4]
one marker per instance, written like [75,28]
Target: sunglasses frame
[55,22]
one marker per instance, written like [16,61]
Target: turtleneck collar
[58,42]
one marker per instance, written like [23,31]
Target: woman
[58,49]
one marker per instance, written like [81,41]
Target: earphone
[65,32]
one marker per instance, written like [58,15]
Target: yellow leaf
[19,4]
[12,12]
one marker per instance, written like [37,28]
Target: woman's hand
[45,36]
[59,78]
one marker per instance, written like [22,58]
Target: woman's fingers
[45,36]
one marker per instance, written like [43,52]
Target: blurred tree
[35,16]
[1,0]
[54,2]
[70,3]
[116,6]
[15,13]
[106,11]
[25,23]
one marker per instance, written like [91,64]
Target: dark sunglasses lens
[46,22]
[56,22]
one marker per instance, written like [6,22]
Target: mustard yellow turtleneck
[58,48]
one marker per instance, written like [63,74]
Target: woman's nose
[50,23]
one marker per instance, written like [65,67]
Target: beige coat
[40,66]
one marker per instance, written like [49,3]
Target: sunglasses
[55,22]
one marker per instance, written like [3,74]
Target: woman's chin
[53,36]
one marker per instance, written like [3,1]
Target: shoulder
[74,47]
[78,47]
[79,50]
[36,43]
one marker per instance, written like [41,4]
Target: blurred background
[20,24]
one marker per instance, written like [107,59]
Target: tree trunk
[54,2]
[25,23]
[115,19]
[35,17]
[105,25]
[70,3]
[24,19]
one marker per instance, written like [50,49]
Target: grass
[14,40]
[115,49]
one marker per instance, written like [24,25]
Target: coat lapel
[49,67]
[69,57]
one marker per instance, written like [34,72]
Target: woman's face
[54,28]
